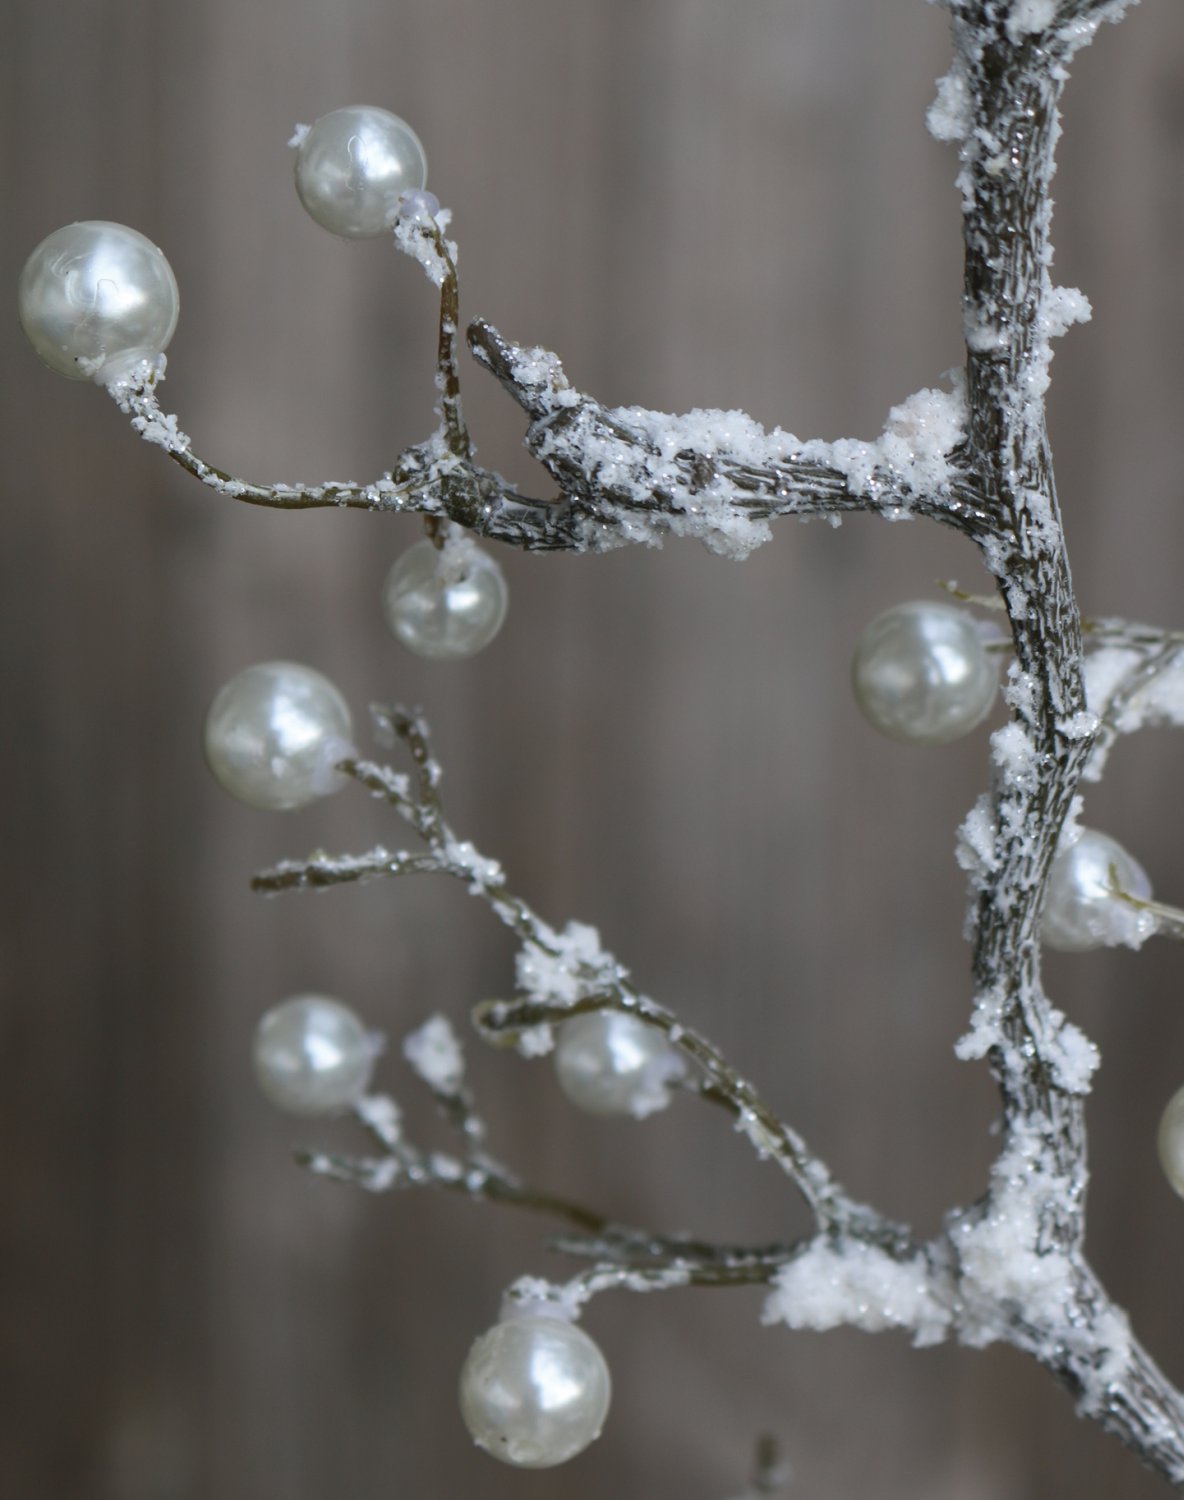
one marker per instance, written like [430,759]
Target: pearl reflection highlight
[313,1056]
[274,734]
[353,165]
[445,604]
[1171,1141]
[95,298]
[1082,910]
[612,1064]
[534,1391]
[922,674]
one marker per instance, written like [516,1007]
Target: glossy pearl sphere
[95,298]
[922,674]
[534,1391]
[441,606]
[1081,910]
[353,165]
[1171,1141]
[275,733]
[313,1056]
[613,1064]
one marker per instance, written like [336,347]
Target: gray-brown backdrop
[696,204]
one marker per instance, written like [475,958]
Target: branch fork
[976,458]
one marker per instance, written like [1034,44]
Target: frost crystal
[1014,757]
[1063,306]
[1027,16]
[435,1054]
[536,1041]
[975,846]
[949,116]
[461,855]
[675,456]
[1076,1059]
[381,1115]
[415,236]
[984,1026]
[532,1297]
[567,974]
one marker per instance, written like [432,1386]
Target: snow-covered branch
[974,456]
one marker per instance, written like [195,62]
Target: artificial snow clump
[435,1053]
[1001,1260]
[566,973]
[949,116]
[1076,1059]
[1028,16]
[415,235]
[533,1296]
[920,435]
[915,447]
[984,1025]
[974,848]
[1063,306]
[1014,757]
[857,1284]
[564,967]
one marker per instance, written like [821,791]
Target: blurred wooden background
[695,204]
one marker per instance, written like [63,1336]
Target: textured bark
[1004,463]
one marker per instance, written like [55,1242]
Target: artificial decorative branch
[977,458]
[1001,1269]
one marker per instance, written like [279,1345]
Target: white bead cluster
[534,1391]
[274,734]
[921,673]
[95,299]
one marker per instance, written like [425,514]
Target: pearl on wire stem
[612,1064]
[95,299]
[1084,907]
[313,1056]
[534,1391]
[352,167]
[445,604]
[921,673]
[275,733]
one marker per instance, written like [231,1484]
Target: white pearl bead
[1171,1141]
[313,1056]
[534,1391]
[445,605]
[275,733]
[1081,910]
[921,673]
[95,298]
[614,1064]
[352,166]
